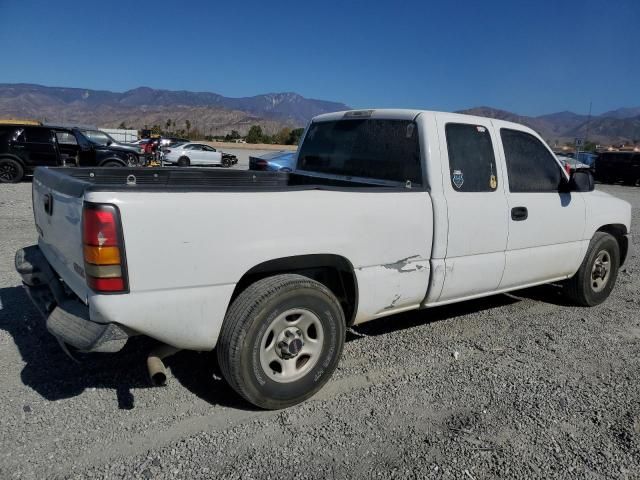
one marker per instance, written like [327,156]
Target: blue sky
[531,57]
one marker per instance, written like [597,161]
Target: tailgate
[58,217]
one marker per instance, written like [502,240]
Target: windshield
[97,136]
[369,148]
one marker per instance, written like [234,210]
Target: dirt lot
[539,389]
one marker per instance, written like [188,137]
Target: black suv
[612,167]
[25,147]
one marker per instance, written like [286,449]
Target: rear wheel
[184,162]
[10,171]
[597,274]
[226,162]
[281,340]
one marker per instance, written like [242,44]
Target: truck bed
[77,181]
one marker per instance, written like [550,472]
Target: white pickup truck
[387,211]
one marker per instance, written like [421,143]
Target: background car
[613,167]
[103,138]
[186,154]
[571,164]
[25,147]
[282,161]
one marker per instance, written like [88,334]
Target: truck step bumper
[67,318]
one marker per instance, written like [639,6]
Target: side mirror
[109,142]
[581,181]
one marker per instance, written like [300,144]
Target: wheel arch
[15,158]
[113,159]
[619,232]
[334,271]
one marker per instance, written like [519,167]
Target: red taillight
[261,164]
[106,284]
[105,270]
[99,226]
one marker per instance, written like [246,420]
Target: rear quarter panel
[186,251]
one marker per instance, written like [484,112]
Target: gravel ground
[538,389]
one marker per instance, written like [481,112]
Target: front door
[476,205]
[546,227]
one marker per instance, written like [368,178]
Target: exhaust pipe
[155,365]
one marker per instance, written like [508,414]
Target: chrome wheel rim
[601,271]
[291,346]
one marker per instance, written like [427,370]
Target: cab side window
[472,163]
[66,138]
[530,165]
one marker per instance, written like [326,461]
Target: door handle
[519,214]
[48,204]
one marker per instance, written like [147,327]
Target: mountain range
[613,127]
[206,111]
[216,114]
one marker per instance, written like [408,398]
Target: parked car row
[612,167]
[24,147]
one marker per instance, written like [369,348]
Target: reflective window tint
[368,148]
[38,135]
[472,163]
[530,165]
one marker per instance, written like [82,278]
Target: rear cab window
[472,162]
[375,149]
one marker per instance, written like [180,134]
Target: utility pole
[586,137]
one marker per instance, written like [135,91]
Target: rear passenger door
[37,147]
[546,227]
[195,154]
[476,207]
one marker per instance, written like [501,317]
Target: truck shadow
[545,293]
[54,376]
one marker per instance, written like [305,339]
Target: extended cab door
[546,227]
[476,205]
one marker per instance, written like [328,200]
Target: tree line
[285,136]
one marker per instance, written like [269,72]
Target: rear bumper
[66,317]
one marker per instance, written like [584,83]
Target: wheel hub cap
[600,271]
[291,345]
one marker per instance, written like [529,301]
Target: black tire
[582,288]
[247,324]
[10,171]
[184,162]
[226,162]
[112,164]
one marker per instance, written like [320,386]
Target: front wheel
[10,171]
[281,340]
[597,275]
[226,162]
